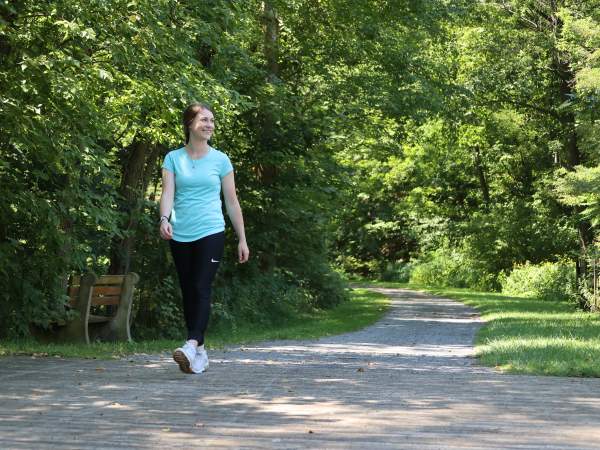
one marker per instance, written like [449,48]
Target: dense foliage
[450,139]
[92,104]
[500,169]
[546,281]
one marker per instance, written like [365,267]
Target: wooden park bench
[103,305]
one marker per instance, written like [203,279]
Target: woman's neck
[197,147]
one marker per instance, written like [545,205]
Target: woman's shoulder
[219,154]
[175,152]
[171,160]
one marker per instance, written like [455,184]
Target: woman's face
[203,125]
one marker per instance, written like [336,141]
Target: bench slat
[103,280]
[106,290]
[106,300]
[98,292]
[110,279]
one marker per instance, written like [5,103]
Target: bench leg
[74,331]
[77,329]
[118,328]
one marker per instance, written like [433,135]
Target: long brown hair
[189,114]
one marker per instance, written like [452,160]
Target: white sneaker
[200,363]
[185,357]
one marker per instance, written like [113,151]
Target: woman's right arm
[166,203]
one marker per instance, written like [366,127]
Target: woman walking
[192,221]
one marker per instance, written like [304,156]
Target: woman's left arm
[234,211]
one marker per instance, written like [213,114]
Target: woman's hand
[243,252]
[166,230]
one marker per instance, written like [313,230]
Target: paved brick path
[408,381]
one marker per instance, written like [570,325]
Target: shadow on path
[409,381]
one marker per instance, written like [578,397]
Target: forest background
[444,142]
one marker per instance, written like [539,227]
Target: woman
[192,221]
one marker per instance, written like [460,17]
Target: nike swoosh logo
[212,260]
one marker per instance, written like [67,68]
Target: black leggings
[197,263]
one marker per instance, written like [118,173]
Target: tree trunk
[271,50]
[153,171]
[482,178]
[267,171]
[65,251]
[133,185]
[573,156]
[567,116]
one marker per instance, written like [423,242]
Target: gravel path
[409,381]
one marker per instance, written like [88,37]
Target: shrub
[398,271]
[354,266]
[547,280]
[452,267]
[264,299]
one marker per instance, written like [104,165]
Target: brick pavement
[409,381]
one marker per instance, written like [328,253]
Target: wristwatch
[163,218]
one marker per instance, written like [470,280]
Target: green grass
[530,336]
[363,308]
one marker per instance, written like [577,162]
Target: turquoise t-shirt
[197,210]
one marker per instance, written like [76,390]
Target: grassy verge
[530,336]
[363,308]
